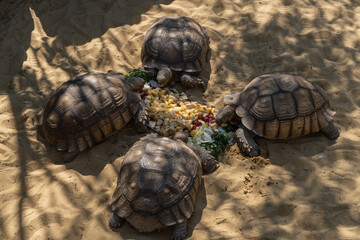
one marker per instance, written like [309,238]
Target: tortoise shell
[157,184]
[86,110]
[282,106]
[179,43]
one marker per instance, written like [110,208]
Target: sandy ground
[308,188]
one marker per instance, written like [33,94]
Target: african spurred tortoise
[90,108]
[175,45]
[277,106]
[158,184]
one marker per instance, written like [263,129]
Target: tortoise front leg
[140,118]
[164,76]
[191,81]
[180,232]
[247,143]
[208,162]
[331,132]
[115,222]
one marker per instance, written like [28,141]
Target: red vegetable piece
[198,124]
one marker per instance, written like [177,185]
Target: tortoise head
[136,82]
[209,163]
[115,74]
[182,135]
[226,114]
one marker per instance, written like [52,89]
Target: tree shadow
[302,38]
[92,161]
[27,86]
[293,38]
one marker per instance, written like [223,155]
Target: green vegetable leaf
[138,73]
[218,146]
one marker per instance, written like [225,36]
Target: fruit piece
[152,124]
[159,122]
[194,132]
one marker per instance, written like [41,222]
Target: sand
[306,188]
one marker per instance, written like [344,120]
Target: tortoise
[277,106]
[89,108]
[175,46]
[158,183]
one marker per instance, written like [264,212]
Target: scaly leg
[331,132]
[115,222]
[164,76]
[180,232]
[247,143]
[191,81]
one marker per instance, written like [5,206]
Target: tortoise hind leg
[180,232]
[331,132]
[191,81]
[115,222]
[247,143]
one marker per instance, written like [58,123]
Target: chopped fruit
[172,111]
[198,123]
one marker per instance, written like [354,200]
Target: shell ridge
[290,130]
[303,127]
[243,96]
[273,106]
[113,101]
[295,104]
[278,130]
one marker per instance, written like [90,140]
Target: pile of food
[171,111]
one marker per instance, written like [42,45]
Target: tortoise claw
[191,81]
[179,231]
[115,222]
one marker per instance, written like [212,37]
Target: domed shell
[86,110]
[179,43]
[282,106]
[157,184]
